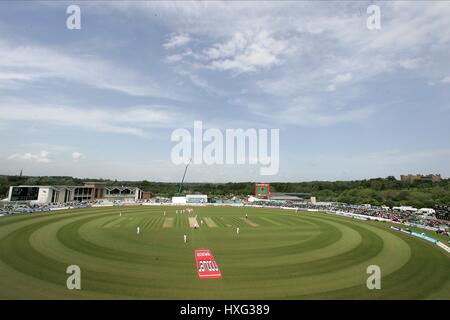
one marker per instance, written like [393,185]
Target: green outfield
[278,254]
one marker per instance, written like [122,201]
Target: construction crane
[180,189]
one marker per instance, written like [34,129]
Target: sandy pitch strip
[168,223]
[250,223]
[209,222]
[193,222]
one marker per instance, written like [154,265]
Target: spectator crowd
[438,222]
[405,217]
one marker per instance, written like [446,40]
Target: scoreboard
[262,190]
[24,193]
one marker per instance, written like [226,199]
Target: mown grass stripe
[286,257]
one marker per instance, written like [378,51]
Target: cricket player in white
[138,230]
[120,214]
[185,238]
[237,230]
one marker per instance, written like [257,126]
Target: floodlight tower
[180,189]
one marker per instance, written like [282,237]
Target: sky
[102,102]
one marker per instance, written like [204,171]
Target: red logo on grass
[206,265]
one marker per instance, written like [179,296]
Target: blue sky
[102,102]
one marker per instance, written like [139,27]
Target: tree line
[380,191]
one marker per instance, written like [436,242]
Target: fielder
[237,230]
[138,230]
[185,238]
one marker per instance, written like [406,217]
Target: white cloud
[246,52]
[133,121]
[24,64]
[173,58]
[77,156]
[312,116]
[340,78]
[52,148]
[201,83]
[314,46]
[307,112]
[178,57]
[410,63]
[42,157]
[177,40]
[331,87]
[446,80]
